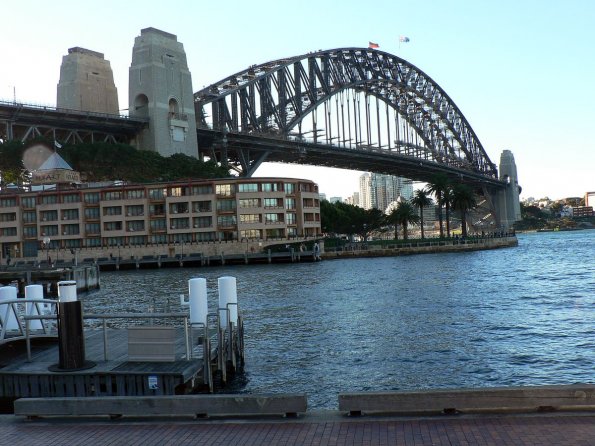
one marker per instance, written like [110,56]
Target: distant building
[379,191]
[335,200]
[582,211]
[87,83]
[590,199]
[143,217]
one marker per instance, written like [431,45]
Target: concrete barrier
[486,400]
[289,405]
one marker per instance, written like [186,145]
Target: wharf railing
[35,318]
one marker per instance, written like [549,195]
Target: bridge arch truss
[353,99]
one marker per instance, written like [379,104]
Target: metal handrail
[104,319]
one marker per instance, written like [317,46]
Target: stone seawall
[426,247]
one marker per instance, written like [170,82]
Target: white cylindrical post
[197,295]
[33,292]
[228,295]
[67,291]
[10,321]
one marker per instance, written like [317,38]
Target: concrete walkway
[317,428]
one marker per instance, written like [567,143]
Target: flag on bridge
[57,145]
[373,45]
[403,39]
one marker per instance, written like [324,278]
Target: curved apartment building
[146,219]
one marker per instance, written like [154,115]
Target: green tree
[421,200]
[437,187]
[463,199]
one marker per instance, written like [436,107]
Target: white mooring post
[7,314]
[34,292]
[228,299]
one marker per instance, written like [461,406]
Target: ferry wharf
[314,428]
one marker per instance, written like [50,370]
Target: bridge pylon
[160,88]
[506,200]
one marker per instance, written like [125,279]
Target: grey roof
[54,161]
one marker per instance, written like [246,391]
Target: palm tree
[404,214]
[463,199]
[437,186]
[447,201]
[421,200]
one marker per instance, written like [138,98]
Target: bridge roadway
[250,151]
[316,428]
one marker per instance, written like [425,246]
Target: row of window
[158,193]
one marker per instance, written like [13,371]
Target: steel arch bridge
[352,108]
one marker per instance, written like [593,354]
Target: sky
[520,71]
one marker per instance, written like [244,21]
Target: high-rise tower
[87,82]
[160,88]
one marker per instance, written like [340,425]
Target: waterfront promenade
[317,428]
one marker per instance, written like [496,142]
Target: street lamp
[46,243]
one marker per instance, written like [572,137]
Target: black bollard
[71,339]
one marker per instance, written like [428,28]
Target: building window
[8,216]
[273,218]
[226,221]
[113,195]
[70,230]
[273,202]
[175,192]
[135,210]
[8,202]
[249,202]
[29,217]
[71,198]
[157,194]
[251,233]
[205,236]
[8,232]
[202,222]
[48,215]
[91,197]
[72,243]
[49,230]
[157,239]
[290,203]
[248,187]
[92,242]
[92,213]
[205,189]
[156,209]
[115,241]
[202,206]
[224,190]
[290,218]
[92,228]
[271,187]
[28,202]
[158,225]
[137,240]
[249,218]
[112,210]
[135,226]
[112,226]
[289,188]
[178,208]
[49,199]
[179,223]
[30,231]
[70,214]
[135,193]
[226,205]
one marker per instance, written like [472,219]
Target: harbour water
[517,316]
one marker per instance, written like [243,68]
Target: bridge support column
[508,208]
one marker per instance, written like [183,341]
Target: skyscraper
[380,190]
